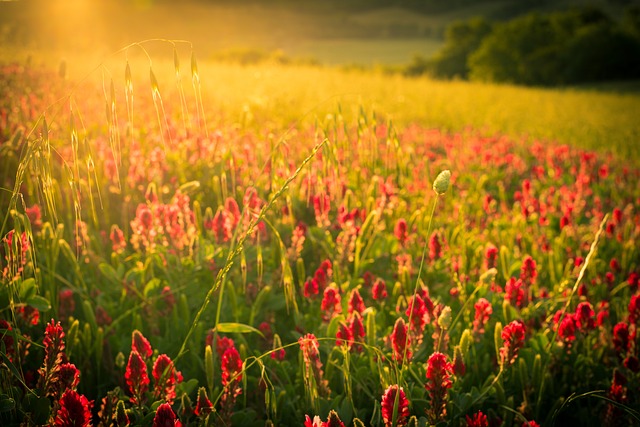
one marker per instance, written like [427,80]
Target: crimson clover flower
[513,336]
[165,417]
[75,410]
[204,406]
[483,310]
[140,344]
[438,383]
[136,377]
[400,341]
[477,420]
[166,377]
[391,394]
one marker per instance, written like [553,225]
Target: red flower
[315,422]
[634,309]
[136,377]
[388,403]
[400,231]
[356,303]
[435,247]
[344,335]
[75,410]
[118,242]
[484,310]
[165,377]
[417,313]
[69,377]
[379,290]
[223,344]
[477,420]
[165,417]
[204,406]
[310,288]
[140,344]
[357,329]
[54,353]
[513,337]
[528,271]
[334,420]
[490,257]
[621,341]
[400,341]
[331,302]
[439,373]
[585,317]
[567,330]
[515,292]
[231,366]
[312,365]
[35,216]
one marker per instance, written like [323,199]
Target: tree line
[569,47]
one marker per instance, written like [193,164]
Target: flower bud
[442,181]
[444,320]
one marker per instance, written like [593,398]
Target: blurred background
[530,42]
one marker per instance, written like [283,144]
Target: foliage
[168,266]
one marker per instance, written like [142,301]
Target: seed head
[442,181]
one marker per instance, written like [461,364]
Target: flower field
[163,264]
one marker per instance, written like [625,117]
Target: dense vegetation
[575,46]
[251,249]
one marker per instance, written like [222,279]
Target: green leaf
[236,328]
[40,303]
[6,403]
[28,288]
[109,272]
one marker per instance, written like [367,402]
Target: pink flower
[389,397]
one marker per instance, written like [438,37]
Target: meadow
[187,242]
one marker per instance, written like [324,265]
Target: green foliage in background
[561,48]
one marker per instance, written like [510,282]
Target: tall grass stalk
[222,273]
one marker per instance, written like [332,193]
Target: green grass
[286,95]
